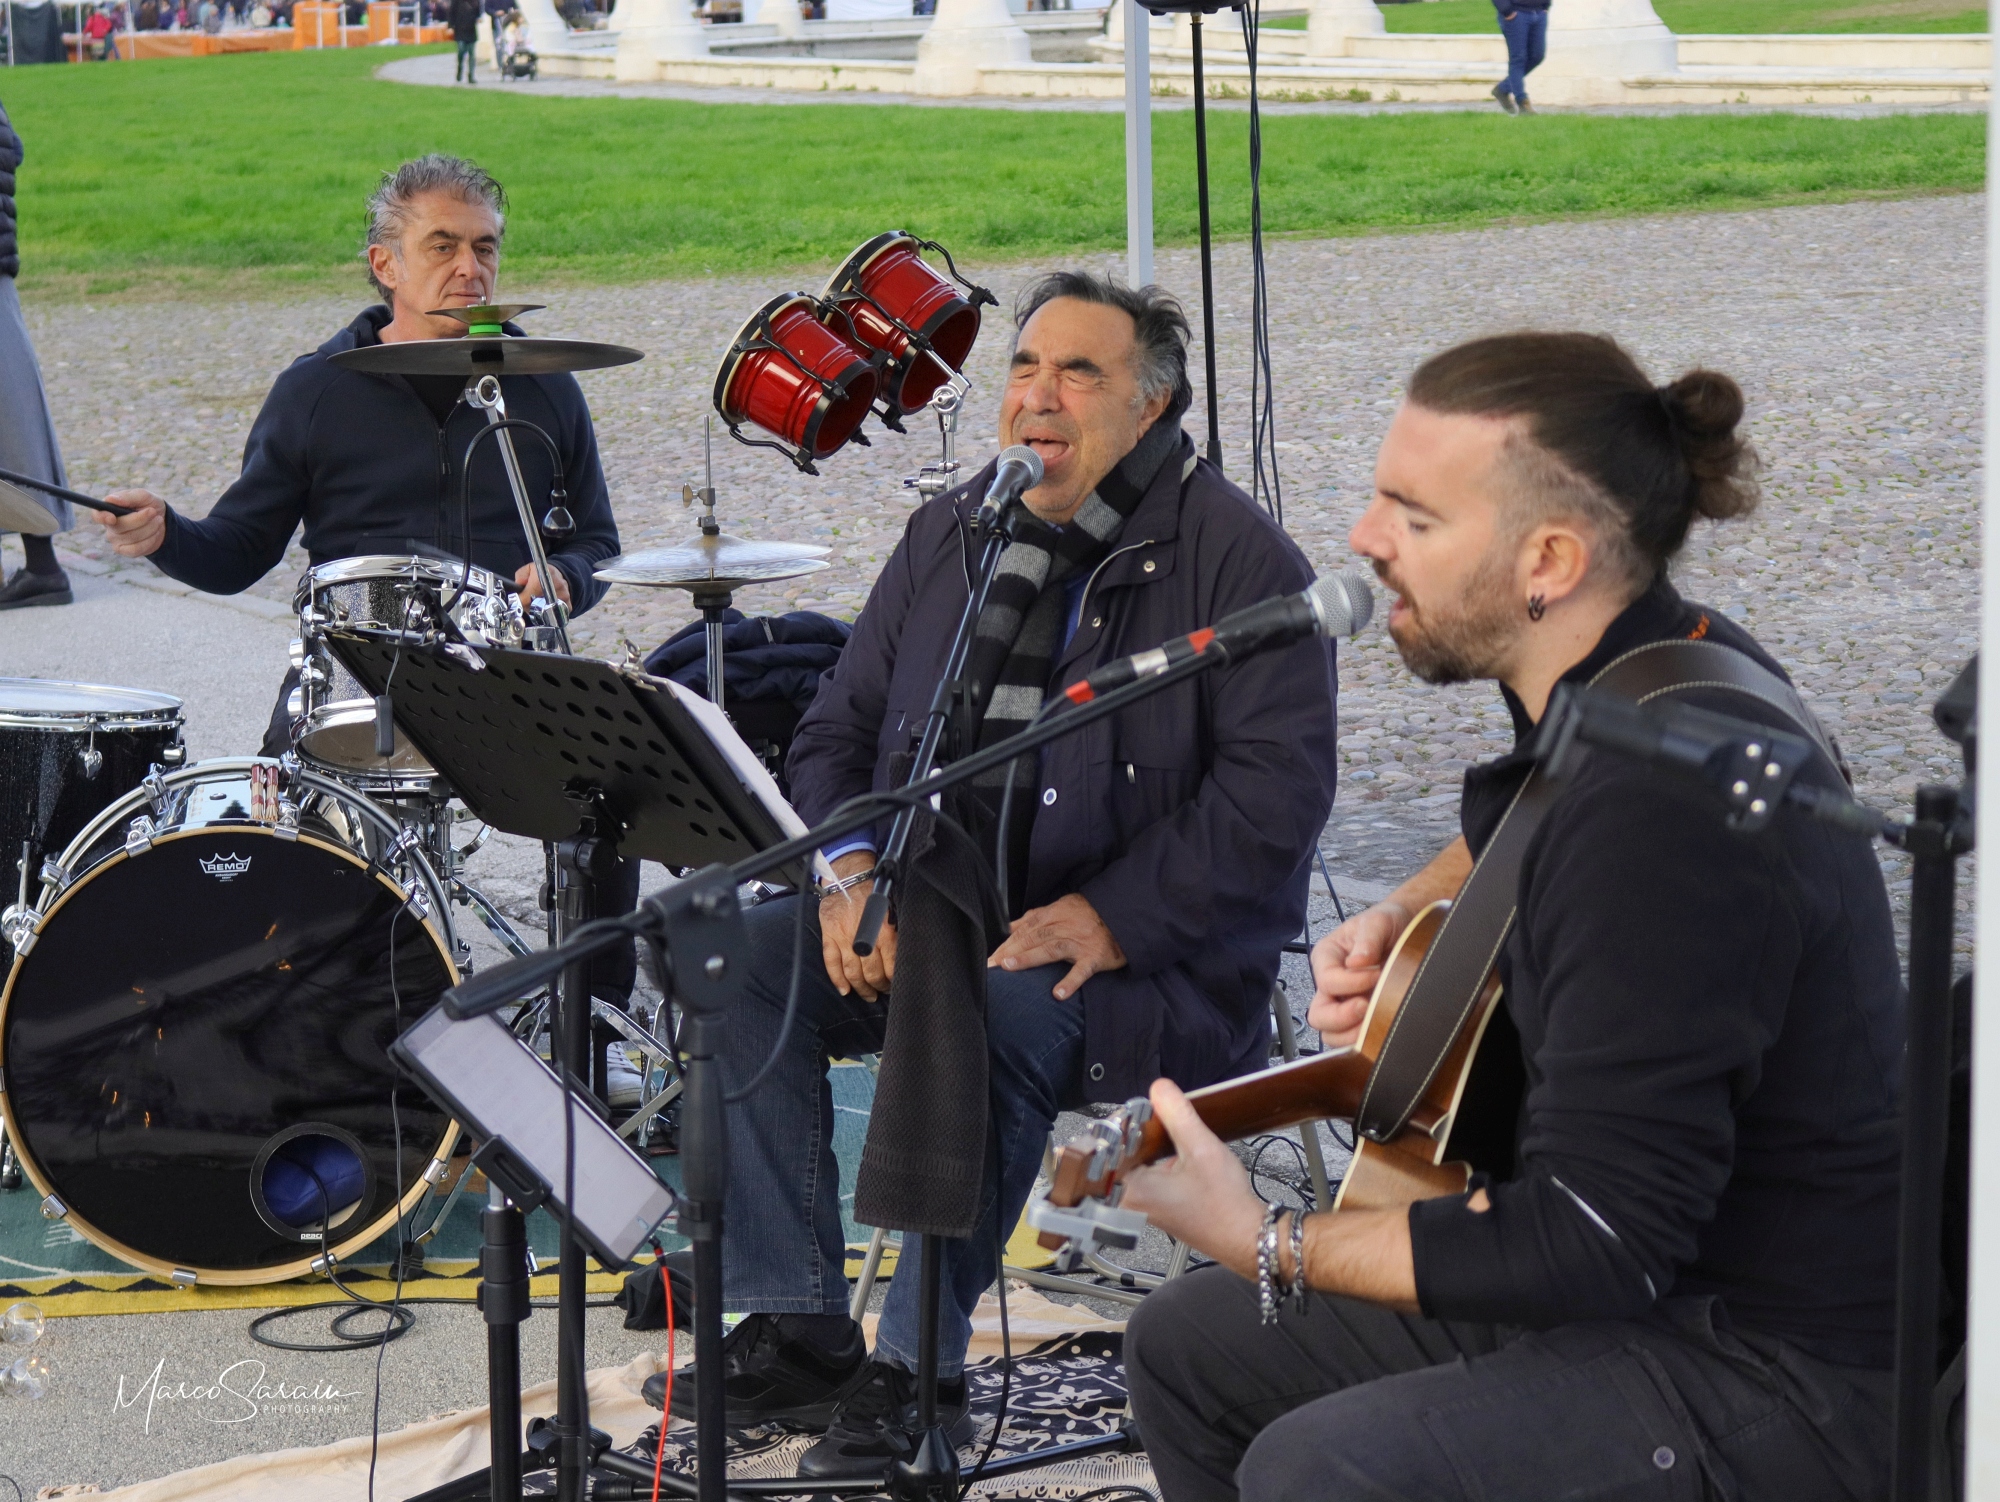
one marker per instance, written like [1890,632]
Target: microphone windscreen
[1020,453]
[1344,602]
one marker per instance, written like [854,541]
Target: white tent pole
[1139,143]
[1982,1398]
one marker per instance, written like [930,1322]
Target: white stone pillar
[1595,44]
[783,14]
[656,31]
[964,37]
[542,22]
[1334,26]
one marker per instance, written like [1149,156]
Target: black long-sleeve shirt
[1712,1027]
[367,467]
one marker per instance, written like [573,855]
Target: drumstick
[74,497]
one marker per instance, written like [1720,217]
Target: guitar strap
[1448,983]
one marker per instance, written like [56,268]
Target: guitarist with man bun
[1683,1287]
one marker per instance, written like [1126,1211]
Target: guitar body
[1464,1120]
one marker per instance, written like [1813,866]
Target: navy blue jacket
[1712,1026]
[365,466]
[1188,821]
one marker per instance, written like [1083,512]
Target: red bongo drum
[898,305]
[797,375]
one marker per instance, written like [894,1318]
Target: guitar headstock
[1079,1212]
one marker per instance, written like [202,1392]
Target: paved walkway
[437,68]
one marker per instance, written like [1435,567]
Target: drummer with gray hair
[371,464]
[27,435]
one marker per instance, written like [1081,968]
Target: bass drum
[193,1038]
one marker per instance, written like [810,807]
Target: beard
[1458,641]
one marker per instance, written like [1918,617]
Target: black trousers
[1352,1401]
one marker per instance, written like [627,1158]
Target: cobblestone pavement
[1854,329]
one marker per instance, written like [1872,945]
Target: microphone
[1020,469]
[1334,605]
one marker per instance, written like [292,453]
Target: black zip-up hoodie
[1712,1027]
[363,463]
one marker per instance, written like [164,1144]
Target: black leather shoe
[30,588]
[771,1376]
[876,1424]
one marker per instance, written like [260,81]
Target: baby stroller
[516,58]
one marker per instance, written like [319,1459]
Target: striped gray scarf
[1021,629]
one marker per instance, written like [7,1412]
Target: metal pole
[1982,1388]
[1926,1101]
[483,392]
[1207,249]
[1138,144]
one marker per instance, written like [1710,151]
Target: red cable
[667,1403]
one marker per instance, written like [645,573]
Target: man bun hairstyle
[389,205]
[1159,327]
[1638,462]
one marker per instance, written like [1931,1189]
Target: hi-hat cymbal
[716,561]
[502,355]
[21,510]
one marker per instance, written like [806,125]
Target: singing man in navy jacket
[371,463]
[1164,851]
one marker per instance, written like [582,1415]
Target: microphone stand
[698,925]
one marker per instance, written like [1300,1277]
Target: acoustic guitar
[1465,1119]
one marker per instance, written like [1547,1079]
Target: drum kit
[208,1096]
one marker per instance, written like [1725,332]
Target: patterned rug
[1068,1388]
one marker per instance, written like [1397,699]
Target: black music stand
[599,761]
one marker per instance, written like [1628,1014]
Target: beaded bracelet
[1267,1265]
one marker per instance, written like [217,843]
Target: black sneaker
[771,1376]
[877,1424]
[30,588]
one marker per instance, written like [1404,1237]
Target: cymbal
[488,316]
[505,354]
[716,561]
[21,510]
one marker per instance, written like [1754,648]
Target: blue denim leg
[783,1249]
[1518,32]
[1537,44]
[1035,1049]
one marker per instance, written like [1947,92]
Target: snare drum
[795,371]
[332,714]
[66,751]
[207,1095]
[897,304]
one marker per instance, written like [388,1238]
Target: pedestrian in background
[1525,25]
[27,437]
[465,31]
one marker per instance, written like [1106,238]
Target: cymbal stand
[483,394]
[710,602]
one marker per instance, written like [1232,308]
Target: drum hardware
[483,394]
[289,961]
[712,568]
[794,374]
[898,305]
[933,480]
[19,920]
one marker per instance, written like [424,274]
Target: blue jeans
[783,1249]
[1527,43]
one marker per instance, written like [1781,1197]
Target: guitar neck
[1328,1084]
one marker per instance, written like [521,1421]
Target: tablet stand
[599,761]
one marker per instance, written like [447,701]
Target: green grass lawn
[249,172]
[1704,16]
